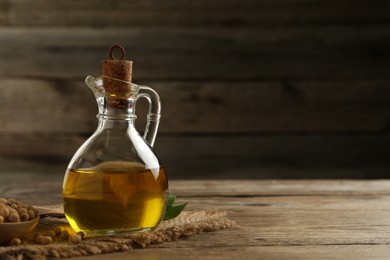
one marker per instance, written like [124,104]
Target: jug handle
[154,113]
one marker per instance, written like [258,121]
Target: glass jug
[115,183]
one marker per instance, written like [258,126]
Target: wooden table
[275,219]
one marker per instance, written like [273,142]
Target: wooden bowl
[9,230]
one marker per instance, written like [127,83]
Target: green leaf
[171,199]
[173,211]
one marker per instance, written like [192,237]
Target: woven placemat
[188,223]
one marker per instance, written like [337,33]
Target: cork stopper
[117,73]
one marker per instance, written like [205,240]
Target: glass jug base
[115,232]
[112,199]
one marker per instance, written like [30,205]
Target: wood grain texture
[4,12]
[237,157]
[279,107]
[261,88]
[188,13]
[303,219]
[230,53]
[254,252]
[327,189]
[46,106]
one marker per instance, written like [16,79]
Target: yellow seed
[81,234]
[14,217]
[11,201]
[38,237]
[31,214]
[57,231]
[1,219]
[64,234]
[22,209]
[11,209]
[15,242]
[36,234]
[24,216]
[50,233]
[45,240]
[76,239]
[4,212]
[14,205]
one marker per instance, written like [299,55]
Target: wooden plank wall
[250,88]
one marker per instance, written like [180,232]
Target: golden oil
[114,197]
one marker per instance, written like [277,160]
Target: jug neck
[118,123]
[113,105]
[120,106]
[117,109]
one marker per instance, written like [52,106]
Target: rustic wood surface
[206,13]
[208,157]
[207,107]
[180,54]
[276,219]
[243,83]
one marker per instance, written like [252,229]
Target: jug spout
[106,100]
[116,94]
[97,89]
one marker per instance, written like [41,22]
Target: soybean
[12,211]
[45,240]
[76,239]
[14,217]
[64,234]
[15,242]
